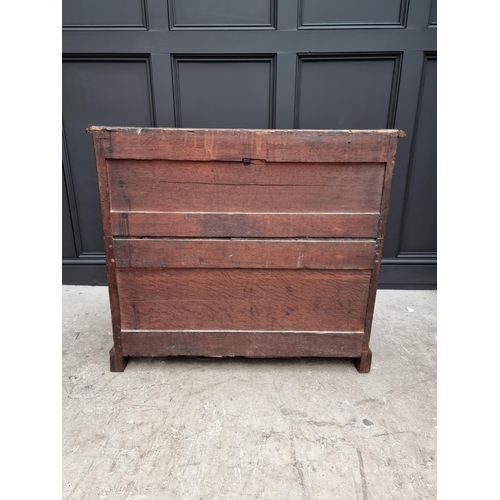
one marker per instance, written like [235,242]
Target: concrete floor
[203,429]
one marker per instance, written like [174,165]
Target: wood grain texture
[162,186]
[364,362]
[384,212]
[243,253]
[116,359]
[249,173]
[247,344]
[253,282]
[242,299]
[310,146]
[247,225]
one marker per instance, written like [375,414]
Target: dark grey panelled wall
[253,64]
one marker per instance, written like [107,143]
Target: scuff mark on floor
[363,477]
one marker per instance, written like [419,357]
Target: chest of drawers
[255,243]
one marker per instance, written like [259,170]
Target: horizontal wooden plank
[249,225]
[283,285]
[248,299]
[257,254]
[252,344]
[161,186]
[232,145]
[257,172]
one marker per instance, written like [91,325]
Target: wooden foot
[364,363]
[117,361]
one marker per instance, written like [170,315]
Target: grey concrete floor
[203,429]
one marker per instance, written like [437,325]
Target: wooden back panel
[230,183]
[181,198]
[182,186]
[243,242]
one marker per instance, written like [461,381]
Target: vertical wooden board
[365,363]
[116,358]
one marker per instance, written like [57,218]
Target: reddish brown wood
[242,299]
[249,254]
[384,211]
[117,361]
[244,225]
[308,146]
[364,362]
[116,358]
[124,173]
[246,344]
[275,296]
[160,186]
